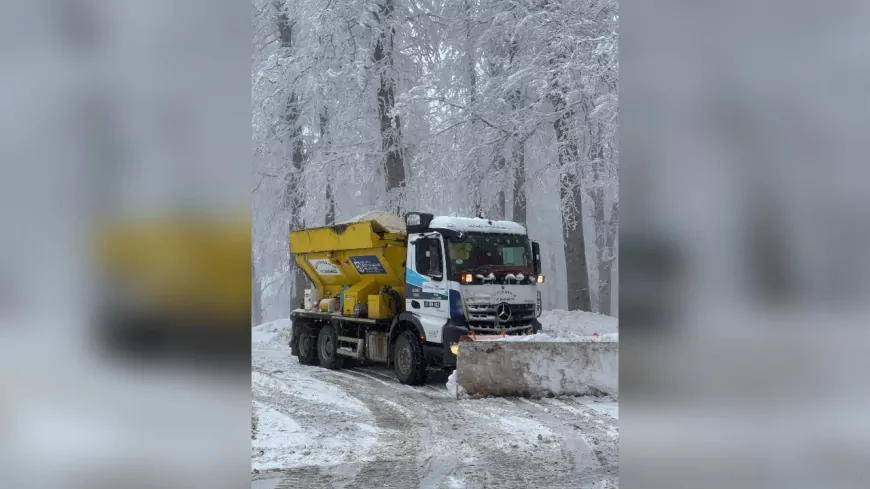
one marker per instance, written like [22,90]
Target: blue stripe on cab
[414,278]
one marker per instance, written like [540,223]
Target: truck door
[426,284]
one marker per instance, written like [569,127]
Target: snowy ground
[272,335]
[360,428]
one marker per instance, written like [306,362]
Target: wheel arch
[403,322]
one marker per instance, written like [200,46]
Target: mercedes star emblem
[503,312]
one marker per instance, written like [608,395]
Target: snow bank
[576,353]
[274,334]
[561,323]
[453,388]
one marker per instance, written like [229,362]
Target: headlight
[454,347]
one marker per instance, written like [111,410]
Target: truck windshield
[482,253]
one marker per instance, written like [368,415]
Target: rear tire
[408,360]
[327,349]
[307,348]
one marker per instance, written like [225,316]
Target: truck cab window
[428,257]
[436,268]
[421,260]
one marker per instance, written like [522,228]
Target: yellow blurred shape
[180,265]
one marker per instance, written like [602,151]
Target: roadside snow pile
[453,388]
[576,353]
[539,368]
[573,324]
[274,334]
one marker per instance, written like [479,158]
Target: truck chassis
[334,341]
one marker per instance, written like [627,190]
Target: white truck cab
[470,276]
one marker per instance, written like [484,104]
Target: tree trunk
[603,234]
[518,162]
[518,150]
[256,297]
[294,198]
[605,263]
[391,128]
[572,215]
[579,297]
[471,74]
[330,204]
[500,197]
[596,195]
[324,141]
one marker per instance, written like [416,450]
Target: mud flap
[537,369]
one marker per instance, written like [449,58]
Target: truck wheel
[307,348]
[408,359]
[327,348]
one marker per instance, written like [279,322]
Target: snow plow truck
[407,293]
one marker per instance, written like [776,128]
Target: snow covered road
[359,428]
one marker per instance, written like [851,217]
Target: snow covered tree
[440,106]
[391,125]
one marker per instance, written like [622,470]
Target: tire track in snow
[435,424]
[433,441]
[357,372]
[526,450]
[458,454]
[425,389]
[395,454]
[592,427]
[330,431]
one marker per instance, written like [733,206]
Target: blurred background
[125,279]
[745,266]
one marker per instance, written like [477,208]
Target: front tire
[307,354]
[327,349]
[408,360]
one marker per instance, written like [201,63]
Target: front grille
[484,318]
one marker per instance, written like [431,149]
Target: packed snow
[289,434]
[358,427]
[578,323]
[272,334]
[556,361]
[391,222]
[476,225]
[453,388]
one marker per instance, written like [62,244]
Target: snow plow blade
[496,366]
